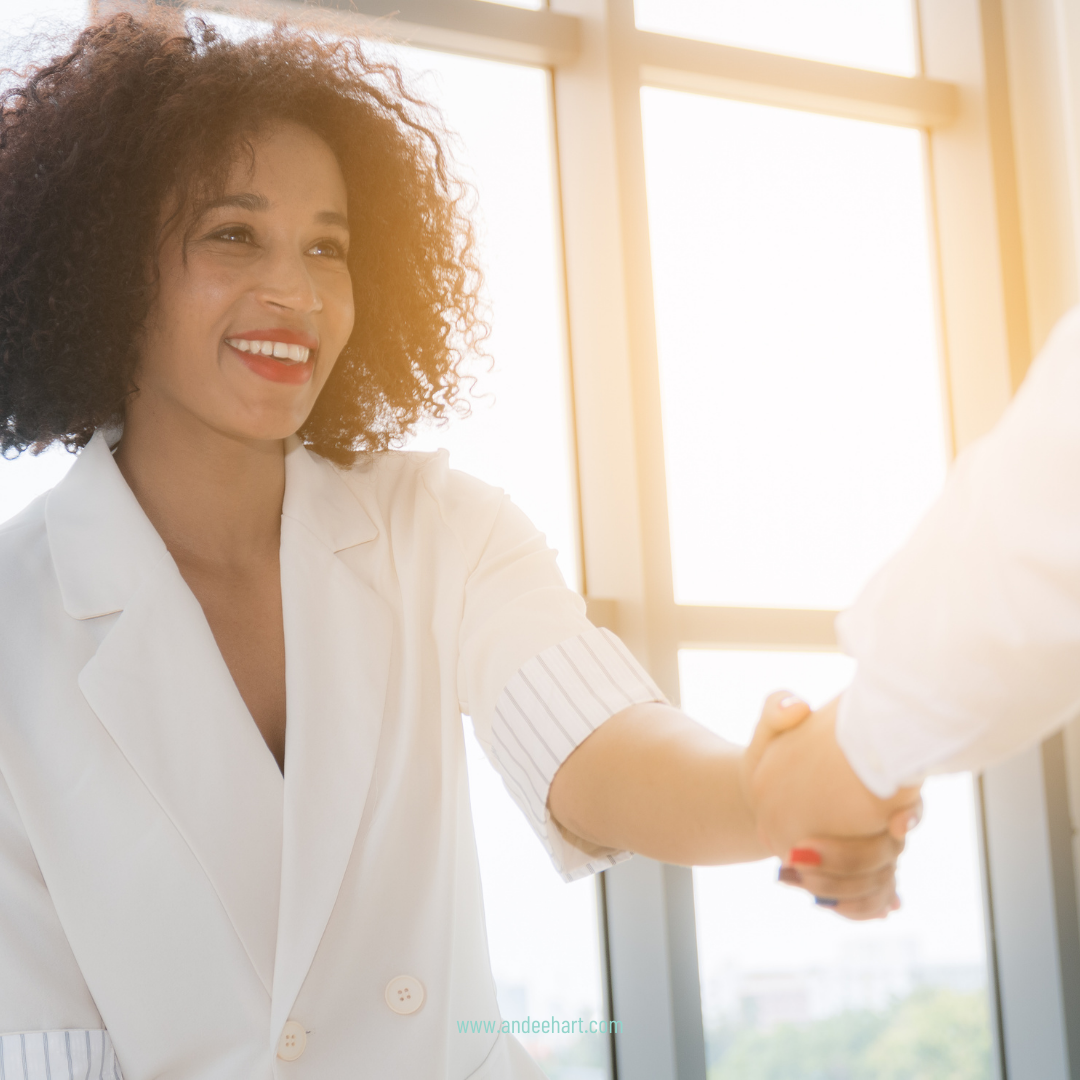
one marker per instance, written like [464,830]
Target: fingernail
[895,905]
[912,821]
[806,856]
[791,699]
[825,901]
[789,875]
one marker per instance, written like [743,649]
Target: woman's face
[251,314]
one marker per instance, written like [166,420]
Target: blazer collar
[317,497]
[103,545]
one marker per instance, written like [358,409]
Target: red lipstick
[277,369]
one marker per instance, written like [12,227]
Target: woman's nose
[287,283]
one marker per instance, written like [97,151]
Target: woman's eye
[328,249]
[233,234]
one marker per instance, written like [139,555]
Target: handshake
[836,839]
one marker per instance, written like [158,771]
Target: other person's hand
[837,840]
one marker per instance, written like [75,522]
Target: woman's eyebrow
[245,200]
[332,217]
[249,200]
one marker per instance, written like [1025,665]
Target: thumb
[781,712]
[904,820]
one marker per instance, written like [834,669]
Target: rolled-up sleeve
[551,705]
[534,674]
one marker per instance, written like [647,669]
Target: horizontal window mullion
[704,67]
[704,626]
[473,27]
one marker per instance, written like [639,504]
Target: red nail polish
[806,856]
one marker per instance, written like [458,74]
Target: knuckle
[871,906]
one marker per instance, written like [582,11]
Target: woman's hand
[838,841]
[800,784]
[653,781]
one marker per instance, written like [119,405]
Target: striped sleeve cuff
[58,1055]
[547,709]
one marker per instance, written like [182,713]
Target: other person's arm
[968,640]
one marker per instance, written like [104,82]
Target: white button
[292,1042]
[404,994]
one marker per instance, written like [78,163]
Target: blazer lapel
[160,687]
[337,660]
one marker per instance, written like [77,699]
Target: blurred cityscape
[866,975]
[876,1013]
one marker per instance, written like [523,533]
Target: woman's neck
[213,498]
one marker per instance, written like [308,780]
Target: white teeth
[297,354]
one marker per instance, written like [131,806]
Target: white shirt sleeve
[968,640]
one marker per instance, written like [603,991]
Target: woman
[234,821]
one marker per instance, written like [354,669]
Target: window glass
[543,933]
[803,422]
[791,990]
[24,478]
[877,34]
[18,17]
[518,436]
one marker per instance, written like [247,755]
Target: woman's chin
[259,423]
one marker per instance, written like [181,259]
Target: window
[757,269]
[799,371]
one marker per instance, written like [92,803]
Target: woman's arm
[651,780]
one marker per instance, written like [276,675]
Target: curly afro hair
[144,110]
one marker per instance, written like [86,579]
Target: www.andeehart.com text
[552,1026]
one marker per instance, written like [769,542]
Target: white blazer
[162,882]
